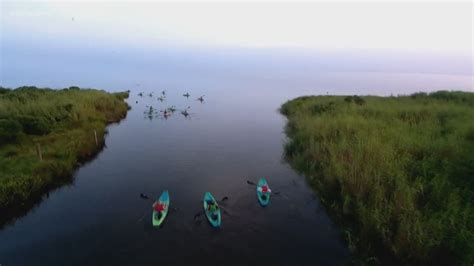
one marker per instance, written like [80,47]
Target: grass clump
[397,172]
[62,122]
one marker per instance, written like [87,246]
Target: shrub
[356,99]
[322,108]
[4,90]
[62,120]
[34,125]
[396,173]
[10,130]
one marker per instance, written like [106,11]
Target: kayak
[263,197]
[159,216]
[213,217]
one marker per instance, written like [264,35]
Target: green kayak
[263,192]
[213,213]
[160,208]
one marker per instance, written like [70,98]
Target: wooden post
[95,136]
[39,152]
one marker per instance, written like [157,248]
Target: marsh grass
[397,172]
[62,122]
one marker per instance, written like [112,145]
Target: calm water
[235,135]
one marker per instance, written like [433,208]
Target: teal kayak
[263,194]
[159,213]
[214,216]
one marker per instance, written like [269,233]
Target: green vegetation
[62,123]
[396,172]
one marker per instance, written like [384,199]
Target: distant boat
[185,112]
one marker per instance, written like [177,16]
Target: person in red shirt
[265,190]
[159,208]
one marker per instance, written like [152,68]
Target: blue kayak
[212,210]
[262,195]
[159,216]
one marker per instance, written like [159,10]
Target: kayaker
[264,189]
[159,207]
[212,206]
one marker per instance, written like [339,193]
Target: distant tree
[359,100]
[4,90]
[418,95]
[26,88]
[356,99]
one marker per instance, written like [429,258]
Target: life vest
[213,207]
[160,207]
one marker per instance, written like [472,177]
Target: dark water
[235,135]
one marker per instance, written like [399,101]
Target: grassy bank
[59,122]
[396,172]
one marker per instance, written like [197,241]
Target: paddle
[252,183]
[143,196]
[224,209]
[198,214]
[141,217]
[224,199]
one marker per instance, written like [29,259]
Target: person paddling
[212,208]
[264,189]
[159,207]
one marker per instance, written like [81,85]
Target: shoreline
[36,163]
[393,172]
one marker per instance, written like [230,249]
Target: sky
[424,37]
[426,27]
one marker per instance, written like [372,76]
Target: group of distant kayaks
[210,204]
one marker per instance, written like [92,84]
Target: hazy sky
[96,43]
[426,27]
